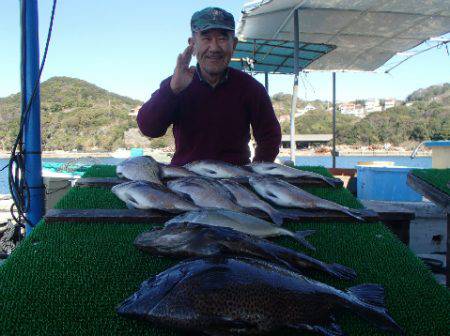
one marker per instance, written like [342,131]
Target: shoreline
[283,152]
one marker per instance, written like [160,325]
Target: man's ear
[235,42]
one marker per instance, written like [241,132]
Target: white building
[390,103]
[372,105]
[352,109]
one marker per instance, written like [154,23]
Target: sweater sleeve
[265,126]
[158,113]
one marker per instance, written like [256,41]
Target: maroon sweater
[214,123]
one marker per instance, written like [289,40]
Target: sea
[326,161]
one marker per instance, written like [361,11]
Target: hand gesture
[183,74]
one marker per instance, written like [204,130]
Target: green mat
[436,177]
[67,278]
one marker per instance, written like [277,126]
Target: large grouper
[284,194]
[190,240]
[231,296]
[240,222]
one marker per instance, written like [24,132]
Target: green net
[67,278]
[439,178]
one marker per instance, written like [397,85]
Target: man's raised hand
[183,74]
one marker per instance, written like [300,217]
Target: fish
[217,169]
[243,296]
[248,200]
[240,222]
[284,194]
[204,192]
[171,172]
[192,240]
[149,195]
[280,170]
[140,168]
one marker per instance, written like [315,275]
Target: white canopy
[366,33]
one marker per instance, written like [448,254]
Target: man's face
[213,49]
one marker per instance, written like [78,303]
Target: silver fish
[240,222]
[171,172]
[279,170]
[204,192]
[247,199]
[284,194]
[237,296]
[140,168]
[149,195]
[217,169]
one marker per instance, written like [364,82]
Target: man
[212,106]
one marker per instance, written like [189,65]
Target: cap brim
[209,27]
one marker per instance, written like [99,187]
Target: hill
[425,115]
[75,114]
[78,115]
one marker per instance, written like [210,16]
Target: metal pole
[266,81]
[295,88]
[334,120]
[32,129]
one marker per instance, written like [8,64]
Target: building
[389,103]
[372,105]
[352,109]
[306,140]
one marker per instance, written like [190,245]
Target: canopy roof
[275,56]
[366,33]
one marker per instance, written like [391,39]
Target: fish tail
[354,215]
[330,181]
[300,237]
[372,306]
[342,272]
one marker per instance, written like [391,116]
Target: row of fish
[233,281]
[192,193]
[148,169]
[222,294]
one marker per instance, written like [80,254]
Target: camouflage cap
[212,18]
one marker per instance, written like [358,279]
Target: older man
[212,106]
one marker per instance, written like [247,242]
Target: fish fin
[342,272]
[372,294]
[333,329]
[377,313]
[300,237]
[226,327]
[131,202]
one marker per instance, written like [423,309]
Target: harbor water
[326,161]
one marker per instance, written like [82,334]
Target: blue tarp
[275,56]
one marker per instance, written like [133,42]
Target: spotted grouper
[232,296]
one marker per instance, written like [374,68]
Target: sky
[129,47]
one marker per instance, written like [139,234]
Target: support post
[334,120]
[295,88]
[266,81]
[32,129]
